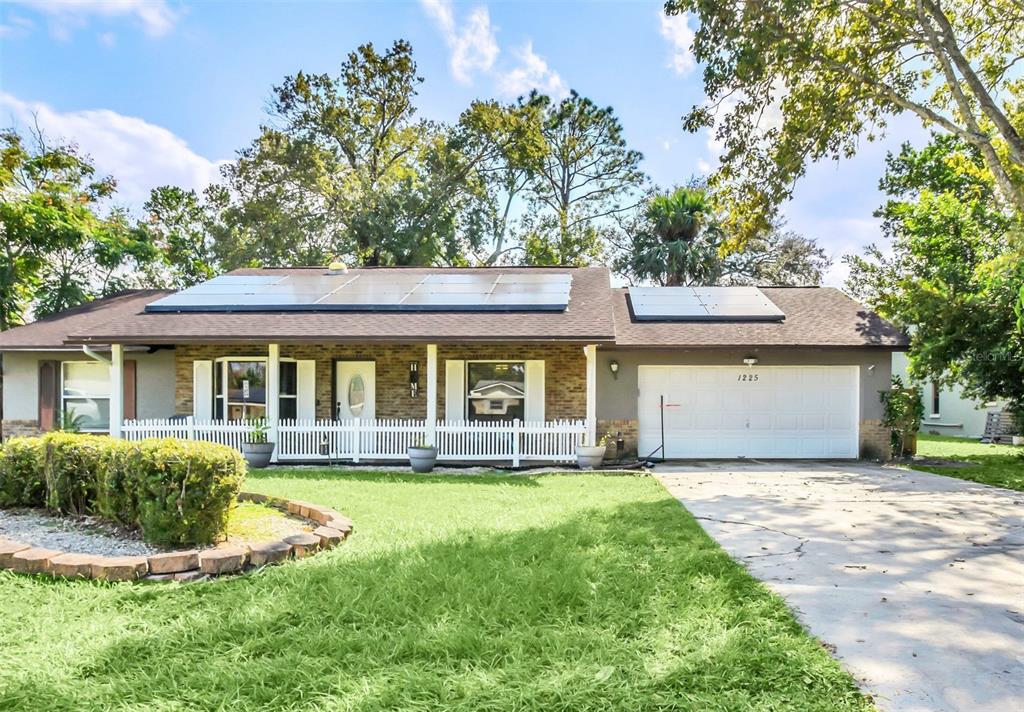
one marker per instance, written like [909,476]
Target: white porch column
[116,390]
[432,394]
[273,393]
[591,352]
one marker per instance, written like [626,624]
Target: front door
[354,390]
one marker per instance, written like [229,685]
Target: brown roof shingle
[52,331]
[587,319]
[815,316]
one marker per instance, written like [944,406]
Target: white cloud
[17,26]
[677,32]
[107,39]
[140,155]
[532,72]
[155,16]
[473,46]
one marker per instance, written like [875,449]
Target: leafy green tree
[676,243]
[790,82]
[777,258]
[60,247]
[954,272]
[347,169]
[587,176]
[678,240]
[184,227]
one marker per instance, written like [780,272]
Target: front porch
[491,403]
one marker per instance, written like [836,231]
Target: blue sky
[162,91]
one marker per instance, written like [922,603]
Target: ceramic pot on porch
[257,455]
[422,459]
[589,457]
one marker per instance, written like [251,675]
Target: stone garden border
[332,528]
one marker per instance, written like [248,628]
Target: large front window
[85,395]
[496,390]
[241,389]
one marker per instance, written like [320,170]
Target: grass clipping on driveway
[559,592]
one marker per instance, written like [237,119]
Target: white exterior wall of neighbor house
[957,416]
[154,383]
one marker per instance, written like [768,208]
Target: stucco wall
[617,397]
[154,382]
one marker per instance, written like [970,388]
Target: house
[946,410]
[499,364]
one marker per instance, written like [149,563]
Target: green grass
[997,465]
[581,592]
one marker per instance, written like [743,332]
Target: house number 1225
[747,377]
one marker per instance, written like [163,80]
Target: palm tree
[678,245]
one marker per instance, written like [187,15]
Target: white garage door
[770,411]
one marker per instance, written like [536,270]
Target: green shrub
[183,491]
[21,473]
[175,491]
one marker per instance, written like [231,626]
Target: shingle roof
[587,319]
[52,331]
[815,316]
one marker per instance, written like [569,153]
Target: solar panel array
[702,304]
[374,291]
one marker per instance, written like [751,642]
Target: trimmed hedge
[174,491]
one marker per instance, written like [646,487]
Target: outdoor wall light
[613,365]
[750,361]
[414,378]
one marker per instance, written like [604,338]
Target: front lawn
[564,592]
[997,465]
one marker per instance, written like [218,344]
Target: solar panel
[485,290]
[702,304]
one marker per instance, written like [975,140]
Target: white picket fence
[385,439]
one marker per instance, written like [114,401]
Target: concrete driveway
[915,580]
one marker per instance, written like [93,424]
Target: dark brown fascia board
[179,340]
[719,347]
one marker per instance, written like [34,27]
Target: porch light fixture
[414,379]
[613,365]
[750,361]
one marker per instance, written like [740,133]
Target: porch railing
[384,439]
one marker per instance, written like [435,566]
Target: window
[935,400]
[496,390]
[240,389]
[85,394]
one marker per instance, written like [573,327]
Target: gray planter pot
[422,459]
[589,457]
[257,454]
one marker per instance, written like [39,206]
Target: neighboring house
[488,364]
[946,410]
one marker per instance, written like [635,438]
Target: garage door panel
[766,412]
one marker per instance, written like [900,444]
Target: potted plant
[422,456]
[256,449]
[589,457]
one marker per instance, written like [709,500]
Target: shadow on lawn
[627,607]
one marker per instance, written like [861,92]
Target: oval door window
[356,396]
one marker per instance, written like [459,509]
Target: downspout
[87,350]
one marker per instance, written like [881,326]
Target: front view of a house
[500,364]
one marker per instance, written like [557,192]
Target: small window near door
[289,396]
[935,400]
[496,390]
[240,389]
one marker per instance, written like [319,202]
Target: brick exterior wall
[875,440]
[20,428]
[564,373]
[629,430]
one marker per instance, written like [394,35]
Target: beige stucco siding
[617,397]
